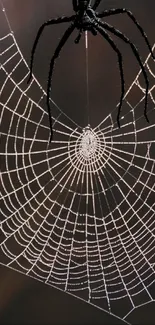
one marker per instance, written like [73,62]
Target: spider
[87,19]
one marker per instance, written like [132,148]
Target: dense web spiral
[79,215]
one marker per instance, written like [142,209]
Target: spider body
[84,22]
[87,19]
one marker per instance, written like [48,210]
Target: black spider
[86,19]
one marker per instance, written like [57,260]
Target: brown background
[23,300]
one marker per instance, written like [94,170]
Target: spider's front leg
[63,40]
[96,4]
[75,5]
[47,23]
[120,62]
[117,11]
[124,38]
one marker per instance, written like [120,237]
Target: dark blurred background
[24,300]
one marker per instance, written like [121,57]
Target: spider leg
[136,53]
[75,5]
[96,4]
[120,61]
[55,56]
[131,16]
[47,23]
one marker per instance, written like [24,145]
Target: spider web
[78,214]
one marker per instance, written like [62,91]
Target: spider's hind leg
[40,31]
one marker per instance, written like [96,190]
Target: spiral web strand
[79,215]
